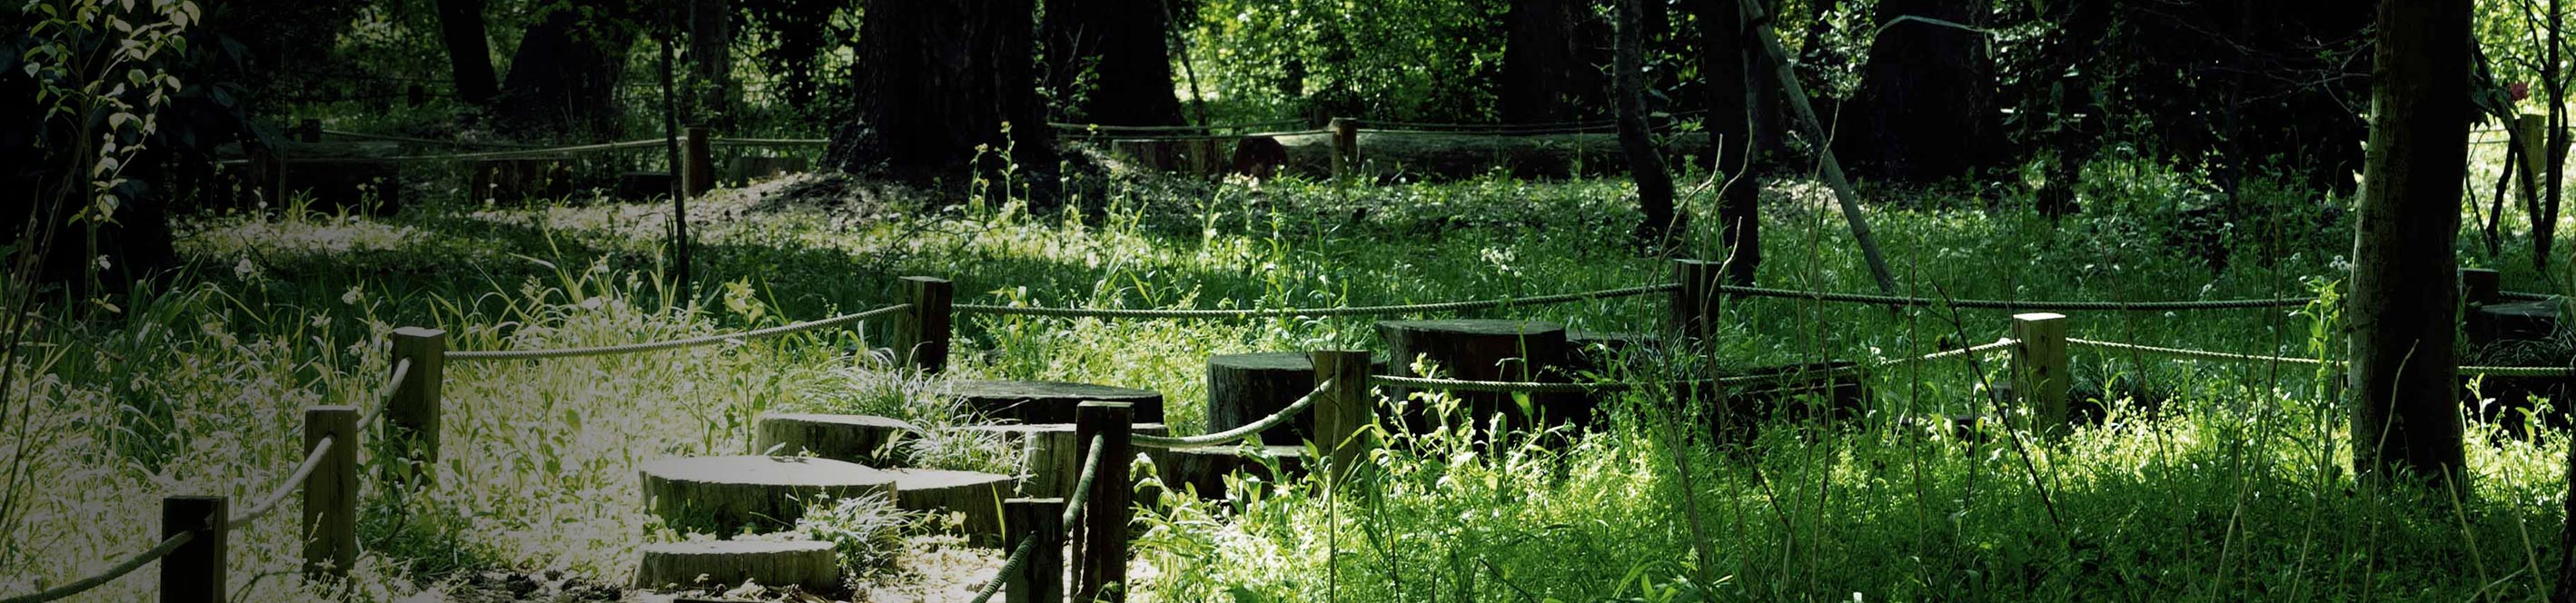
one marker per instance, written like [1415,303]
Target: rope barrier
[1186,137]
[2525,295]
[2285,302]
[384,398]
[2491,371]
[452,143]
[523,153]
[122,568]
[1309,312]
[1536,387]
[770,142]
[1072,512]
[312,461]
[1235,126]
[677,343]
[1239,433]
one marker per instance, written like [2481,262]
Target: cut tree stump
[1797,392]
[724,564]
[643,186]
[717,494]
[1486,350]
[1205,468]
[519,180]
[1047,461]
[862,439]
[1049,401]
[976,495]
[2516,334]
[1243,388]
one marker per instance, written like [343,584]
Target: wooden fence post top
[2481,286]
[2038,317]
[925,279]
[421,332]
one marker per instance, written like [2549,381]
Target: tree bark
[469,53]
[1546,74]
[1736,92]
[944,77]
[564,79]
[711,59]
[2400,312]
[1645,162]
[1926,106]
[1112,60]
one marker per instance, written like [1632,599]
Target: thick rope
[1575,388]
[2491,371]
[312,462]
[451,143]
[1183,137]
[1310,312]
[1893,300]
[385,397]
[770,142]
[1239,433]
[678,343]
[128,566]
[517,153]
[2525,295]
[1240,126]
[1072,512]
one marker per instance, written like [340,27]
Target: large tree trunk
[1645,163]
[1926,106]
[564,78]
[944,77]
[711,59]
[1547,74]
[1736,91]
[469,54]
[1122,45]
[2405,418]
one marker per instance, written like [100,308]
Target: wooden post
[411,417]
[308,131]
[1041,579]
[1344,412]
[195,572]
[1104,515]
[2480,286]
[1346,145]
[331,494]
[697,156]
[921,336]
[1694,305]
[2039,367]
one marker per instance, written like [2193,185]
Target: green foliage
[867,531]
[1421,59]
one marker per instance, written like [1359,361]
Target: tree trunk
[711,59]
[1645,163]
[1546,75]
[2405,418]
[944,77]
[1111,61]
[564,79]
[1736,89]
[469,53]
[1926,106]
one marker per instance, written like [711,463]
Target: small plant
[867,531]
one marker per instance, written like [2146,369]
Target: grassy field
[2209,482]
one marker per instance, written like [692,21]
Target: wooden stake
[195,572]
[1344,412]
[331,493]
[921,335]
[2480,286]
[1346,145]
[412,415]
[1694,305]
[698,156]
[1041,579]
[2039,367]
[1105,519]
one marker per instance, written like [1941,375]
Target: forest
[1250,301]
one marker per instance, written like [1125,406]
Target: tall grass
[2209,482]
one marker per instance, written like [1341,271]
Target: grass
[2232,489]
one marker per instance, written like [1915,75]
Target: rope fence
[1239,433]
[2491,371]
[633,348]
[1072,512]
[276,497]
[1312,312]
[1543,387]
[167,546]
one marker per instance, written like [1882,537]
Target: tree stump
[722,564]
[1204,468]
[858,439]
[755,167]
[1801,392]
[519,180]
[2516,334]
[643,186]
[1485,350]
[978,496]
[1048,462]
[1049,401]
[1243,388]
[720,493]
